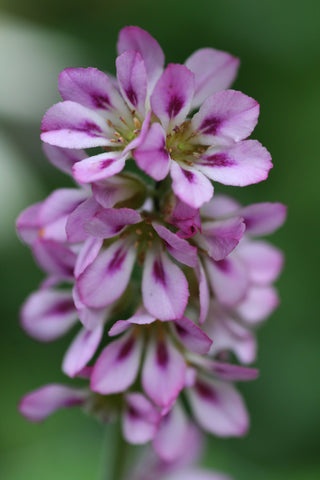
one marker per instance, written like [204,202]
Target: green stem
[114,454]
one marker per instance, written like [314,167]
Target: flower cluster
[142,249]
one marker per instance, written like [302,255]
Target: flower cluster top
[175,274]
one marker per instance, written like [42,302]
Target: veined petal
[81,350]
[134,38]
[107,277]
[39,404]
[48,314]
[179,248]
[63,158]
[258,304]
[151,156]
[132,78]
[214,71]
[117,366]
[164,287]
[54,258]
[218,408]
[220,237]
[191,336]
[191,186]
[264,261]
[226,117]
[70,125]
[263,218]
[140,419]
[163,372]
[241,164]
[99,167]
[109,222]
[172,96]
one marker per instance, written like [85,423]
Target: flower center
[182,146]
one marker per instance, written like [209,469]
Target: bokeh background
[278,43]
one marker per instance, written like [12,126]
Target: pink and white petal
[90,318]
[88,253]
[27,224]
[132,78]
[258,304]
[39,404]
[134,38]
[163,372]
[190,186]
[110,222]
[99,167]
[226,371]
[165,289]
[218,408]
[220,237]
[172,96]
[179,248]
[228,279]
[117,189]
[107,277]
[91,88]
[214,71]
[196,474]
[226,117]
[169,442]
[140,419]
[204,293]
[81,350]
[75,226]
[48,314]
[263,261]
[138,140]
[241,164]
[191,336]
[117,366]
[54,258]
[263,218]
[186,218]
[219,206]
[151,156]
[70,125]
[63,158]
[60,203]
[141,317]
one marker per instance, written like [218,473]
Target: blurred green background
[278,43]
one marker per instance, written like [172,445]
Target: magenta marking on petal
[189,175]
[105,163]
[206,392]
[131,94]
[117,260]
[223,265]
[126,349]
[162,354]
[89,126]
[101,101]
[180,330]
[217,160]
[175,105]
[210,125]
[61,307]
[159,272]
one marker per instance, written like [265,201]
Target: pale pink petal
[132,78]
[164,287]
[75,226]
[163,372]
[63,158]
[220,237]
[48,314]
[191,336]
[90,318]
[39,404]
[54,258]
[196,474]
[134,38]
[214,71]
[218,408]
[186,218]
[70,125]
[119,188]
[225,117]
[117,366]
[151,156]
[258,304]
[241,164]
[219,206]
[263,218]
[263,261]
[140,419]
[190,186]
[81,350]
[141,317]
[110,222]
[172,96]
[107,277]
[204,293]
[89,251]
[99,167]
[27,223]
[226,371]
[179,248]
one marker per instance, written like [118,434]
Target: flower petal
[164,287]
[132,78]
[107,277]
[48,314]
[117,366]
[172,96]
[70,125]
[90,318]
[219,206]
[190,186]
[220,237]
[134,38]
[63,158]
[54,258]
[140,419]
[263,261]
[191,336]
[204,293]
[75,226]
[214,71]
[226,371]
[151,156]
[88,253]
[99,167]
[39,404]
[179,248]
[109,222]
[27,224]
[263,218]
[81,350]
[258,304]
[118,189]
[141,317]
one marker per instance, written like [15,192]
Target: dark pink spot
[61,307]
[206,392]
[217,160]
[133,412]
[101,101]
[189,175]
[162,354]
[117,260]
[175,105]
[210,125]
[90,127]
[105,163]
[224,265]
[126,349]
[131,94]
[181,330]
[159,272]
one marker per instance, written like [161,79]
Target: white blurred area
[31,58]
